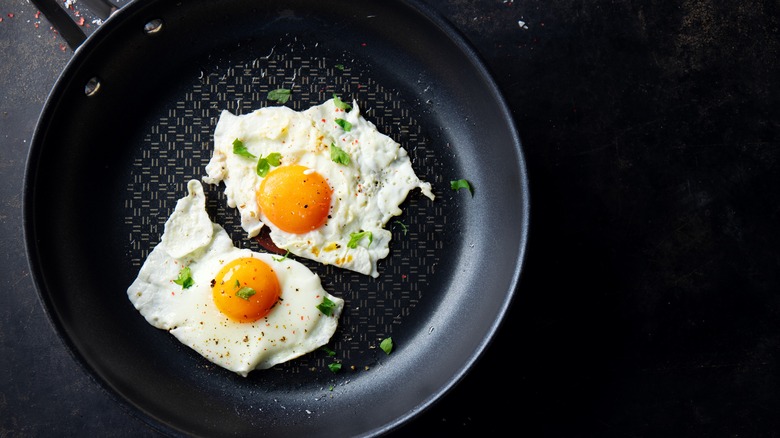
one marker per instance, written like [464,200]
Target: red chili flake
[36,25]
[38,14]
[81,21]
[363,44]
[63,47]
[403,276]
[10,15]
[323,120]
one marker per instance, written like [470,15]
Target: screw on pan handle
[66,27]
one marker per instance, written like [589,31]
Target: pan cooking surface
[178,144]
[112,166]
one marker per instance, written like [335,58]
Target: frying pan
[129,122]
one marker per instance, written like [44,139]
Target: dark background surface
[649,304]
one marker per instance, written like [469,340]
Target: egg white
[366,193]
[295,326]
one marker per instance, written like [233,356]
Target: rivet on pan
[92,87]
[153,26]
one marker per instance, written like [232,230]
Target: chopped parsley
[338,155]
[264,164]
[237,284]
[280,95]
[345,125]
[281,259]
[335,367]
[241,150]
[245,292]
[328,351]
[386,345]
[354,238]
[185,278]
[403,226]
[461,184]
[339,66]
[340,104]
[326,306]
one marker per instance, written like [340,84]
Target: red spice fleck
[36,25]
[362,44]
[63,47]
[403,276]
[10,15]
[1,19]
[323,120]
[173,293]
[81,21]
[38,14]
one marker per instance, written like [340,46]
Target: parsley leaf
[354,238]
[245,292]
[345,125]
[241,150]
[280,259]
[264,164]
[461,184]
[339,66]
[328,351]
[274,158]
[334,367]
[280,95]
[340,104]
[338,155]
[326,306]
[403,226]
[386,345]
[185,278]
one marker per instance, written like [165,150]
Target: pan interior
[106,170]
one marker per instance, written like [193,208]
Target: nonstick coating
[105,171]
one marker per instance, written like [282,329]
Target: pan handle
[68,28]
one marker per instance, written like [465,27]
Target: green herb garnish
[339,66]
[386,345]
[334,367]
[328,351]
[354,238]
[237,284]
[326,306]
[340,104]
[345,125]
[403,226]
[245,292]
[338,155]
[185,278]
[280,95]
[461,184]
[281,259]
[241,150]
[264,164]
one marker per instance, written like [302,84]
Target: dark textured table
[650,301]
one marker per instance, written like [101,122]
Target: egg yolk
[295,198]
[246,289]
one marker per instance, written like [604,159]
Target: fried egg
[324,180]
[240,309]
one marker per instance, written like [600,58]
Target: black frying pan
[129,122]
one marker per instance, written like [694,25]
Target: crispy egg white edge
[191,316]
[371,152]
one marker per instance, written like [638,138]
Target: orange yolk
[295,198]
[234,286]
